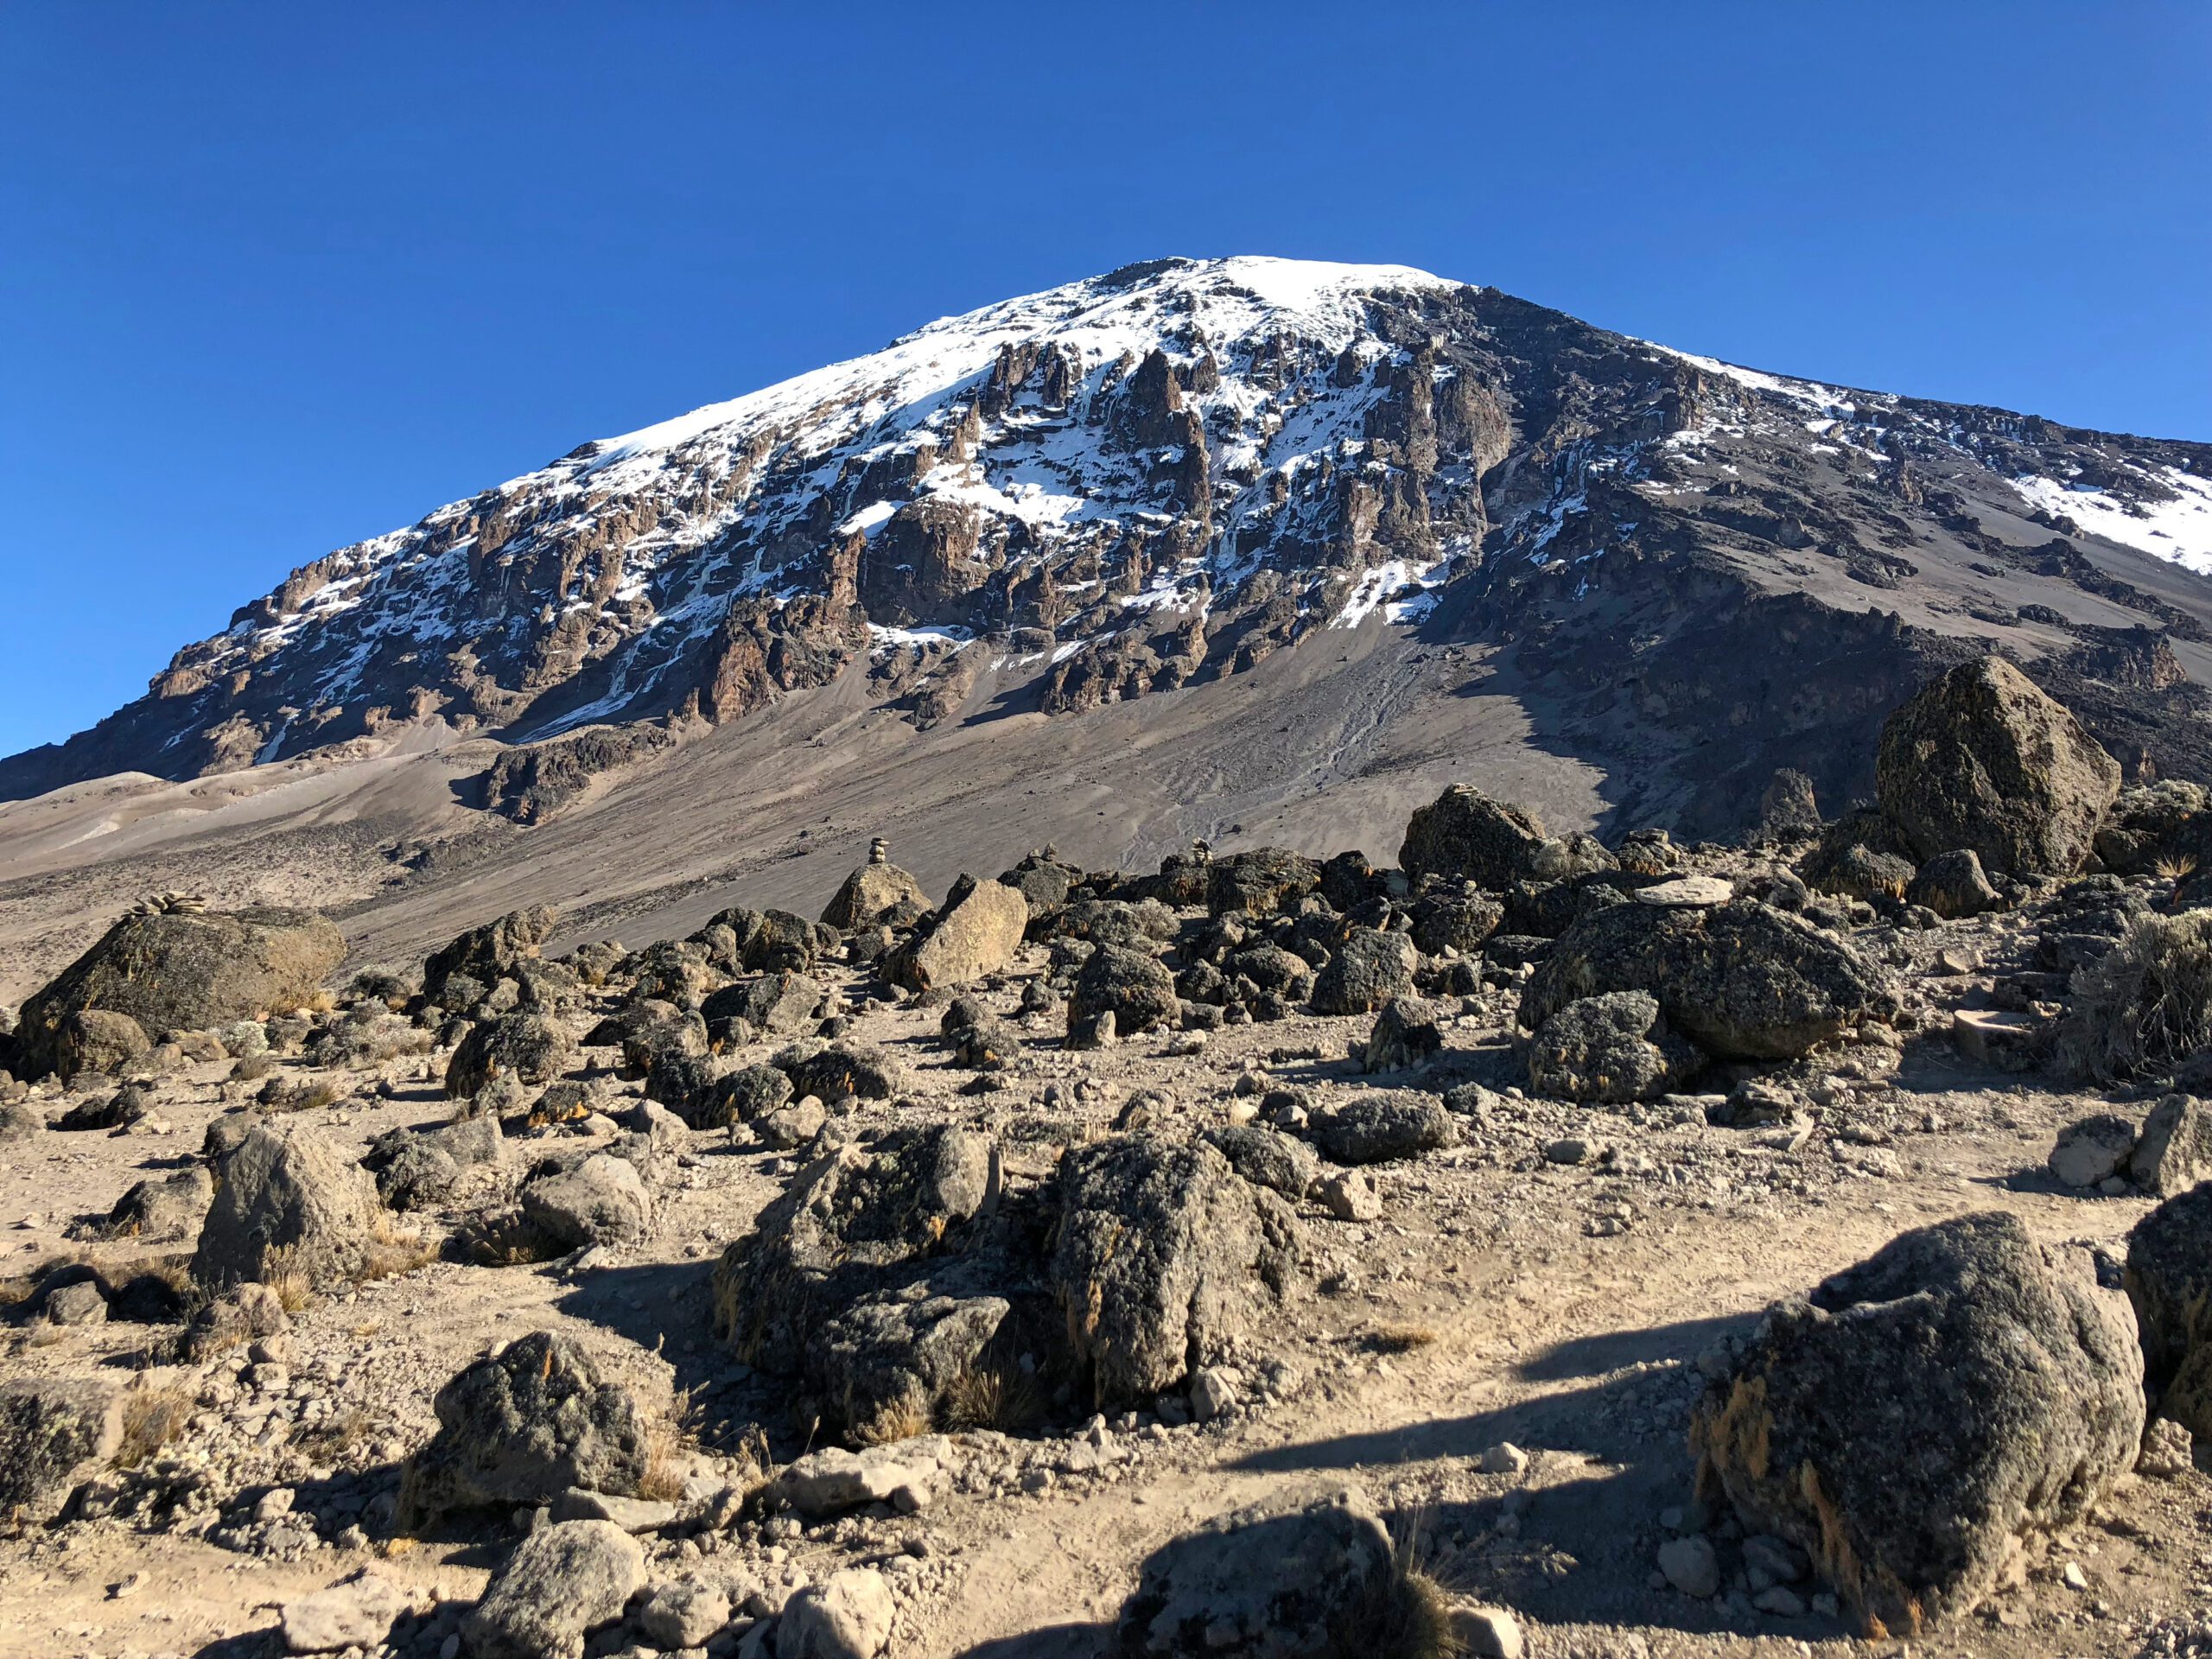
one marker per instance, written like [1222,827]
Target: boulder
[355,1612]
[832,1285]
[52,1433]
[846,1616]
[415,1167]
[741,1097]
[163,1209]
[683,1614]
[1913,1418]
[1408,1032]
[1449,920]
[833,1070]
[180,970]
[528,1047]
[1134,986]
[2174,1150]
[1465,835]
[286,1201]
[1983,760]
[90,1042]
[487,954]
[521,1426]
[1369,969]
[1953,885]
[1743,981]
[1379,1126]
[602,1200]
[1609,1049]
[563,1581]
[977,933]
[875,895]
[1269,1158]
[2169,1279]
[1166,1259]
[1264,881]
[783,1003]
[1306,1573]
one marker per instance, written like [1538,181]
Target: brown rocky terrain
[1513,1241]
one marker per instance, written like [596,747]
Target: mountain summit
[1160,477]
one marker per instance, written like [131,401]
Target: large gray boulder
[1134,986]
[1983,760]
[874,895]
[181,971]
[976,932]
[601,1199]
[1465,835]
[1166,1260]
[1370,969]
[1910,1419]
[523,1426]
[286,1201]
[1383,1125]
[1743,981]
[1609,1049]
[528,1047]
[847,1616]
[52,1432]
[833,1285]
[563,1582]
[1306,1573]
[2169,1280]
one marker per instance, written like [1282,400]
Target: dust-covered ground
[1548,1282]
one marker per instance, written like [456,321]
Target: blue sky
[276,278]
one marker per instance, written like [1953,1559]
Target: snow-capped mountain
[1165,474]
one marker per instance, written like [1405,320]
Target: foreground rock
[287,1202]
[2170,1284]
[1742,980]
[847,1616]
[1984,760]
[1308,1574]
[563,1582]
[181,971]
[523,1426]
[1167,1260]
[1610,1049]
[1910,1421]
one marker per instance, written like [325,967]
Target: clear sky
[274,278]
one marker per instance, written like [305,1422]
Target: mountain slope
[1160,477]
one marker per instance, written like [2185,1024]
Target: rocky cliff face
[1165,475]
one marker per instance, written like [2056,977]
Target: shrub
[2147,1006]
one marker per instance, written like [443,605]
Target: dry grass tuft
[393,1251]
[1400,1338]
[2174,867]
[283,1274]
[1004,1397]
[154,1414]
[666,1441]
[336,1442]
[1411,1616]
[251,1068]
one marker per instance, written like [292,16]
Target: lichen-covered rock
[52,1433]
[1408,1031]
[2169,1280]
[90,1042]
[1264,881]
[976,933]
[741,1097]
[1465,835]
[1166,1259]
[286,1201]
[415,1167]
[181,971]
[563,1582]
[1304,1574]
[1368,970]
[1269,1158]
[834,1070]
[1383,1125]
[809,1293]
[528,1047]
[1455,917]
[169,1208]
[1912,1418]
[782,1003]
[1133,986]
[875,895]
[1983,760]
[1743,980]
[487,954]
[523,1426]
[1953,885]
[1609,1049]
